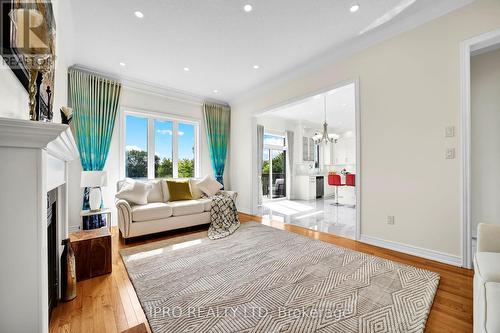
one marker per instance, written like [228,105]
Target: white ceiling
[340,112]
[220,42]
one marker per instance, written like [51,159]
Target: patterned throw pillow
[179,190]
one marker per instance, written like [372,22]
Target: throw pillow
[134,192]
[179,190]
[195,190]
[209,186]
[156,192]
[164,188]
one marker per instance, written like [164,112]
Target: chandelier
[324,136]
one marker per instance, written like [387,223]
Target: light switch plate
[449,131]
[390,219]
[450,153]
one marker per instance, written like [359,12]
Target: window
[136,147]
[186,142]
[164,167]
[274,140]
[160,147]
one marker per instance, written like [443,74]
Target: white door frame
[467,48]
[255,189]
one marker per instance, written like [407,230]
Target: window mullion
[175,150]
[151,148]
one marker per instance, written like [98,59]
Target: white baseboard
[413,250]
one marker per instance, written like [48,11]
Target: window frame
[151,116]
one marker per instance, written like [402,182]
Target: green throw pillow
[179,190]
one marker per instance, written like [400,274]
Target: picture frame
[45,80]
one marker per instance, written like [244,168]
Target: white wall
[485,128]
[135,99]
[409,92]
[13,97]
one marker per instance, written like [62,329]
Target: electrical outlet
[449,131]
[390,220]
[450,153]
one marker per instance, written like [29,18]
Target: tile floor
[319,215]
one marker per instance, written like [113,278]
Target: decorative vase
[68,272]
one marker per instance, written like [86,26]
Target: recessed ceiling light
[186,69]
[256,66]
[138,14]
[248,8]
[216,91]
[122,64]
[354,8]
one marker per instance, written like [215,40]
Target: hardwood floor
[109,304]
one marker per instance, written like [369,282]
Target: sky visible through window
[273,140]
[136,137]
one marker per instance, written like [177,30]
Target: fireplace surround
[34,160]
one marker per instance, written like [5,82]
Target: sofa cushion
[488,266]
[151,211]
[156,192]
[186,207]
[207,203]
[134,192]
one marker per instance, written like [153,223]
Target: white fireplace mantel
[34,159]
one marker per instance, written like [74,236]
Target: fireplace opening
[52,246]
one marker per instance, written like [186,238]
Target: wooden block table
[92,252]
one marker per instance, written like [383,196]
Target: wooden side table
[92,252]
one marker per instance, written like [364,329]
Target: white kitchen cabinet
[305,187]
[345,151]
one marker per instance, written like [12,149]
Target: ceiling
[340,114]
[218,41]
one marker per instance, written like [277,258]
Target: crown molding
[151,88]
[351,47]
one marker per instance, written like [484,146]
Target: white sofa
[487,279]
[160,214]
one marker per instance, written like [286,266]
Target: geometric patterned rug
[261,279]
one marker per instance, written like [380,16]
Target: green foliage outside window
[137,166]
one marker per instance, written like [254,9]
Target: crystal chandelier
[325,137]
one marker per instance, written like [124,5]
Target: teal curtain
[95,101]
[217,121]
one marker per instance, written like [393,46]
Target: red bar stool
[335,180]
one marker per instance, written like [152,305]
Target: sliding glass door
[274,167]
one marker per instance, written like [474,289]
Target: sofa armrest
[231,194]
[124,216]
[488,237]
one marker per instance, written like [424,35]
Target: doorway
[309,144]
[471,161]
[274,173]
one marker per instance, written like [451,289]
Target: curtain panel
[289,160]
[260,153]
[95,101]
[217,125]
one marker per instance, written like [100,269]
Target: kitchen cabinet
[345,151]
[308,149]
[305,187]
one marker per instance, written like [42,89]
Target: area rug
[261,279]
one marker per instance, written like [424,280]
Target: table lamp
[94,180]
